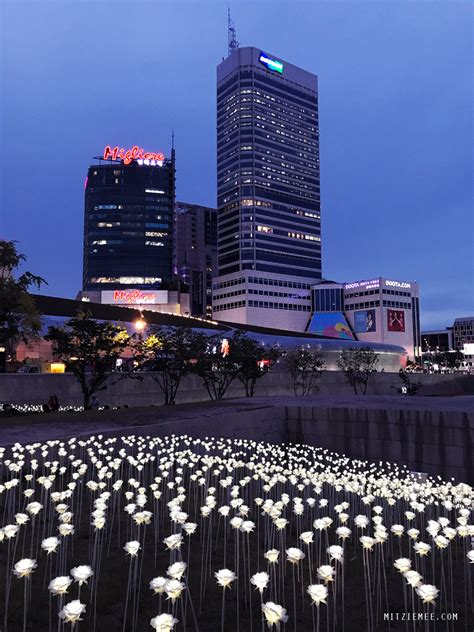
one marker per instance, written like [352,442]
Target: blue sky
[395,81]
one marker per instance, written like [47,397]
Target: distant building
[463,332]
[439,340]
[268,191]
[128,232]
[128,214]
[376,310]
[195,253]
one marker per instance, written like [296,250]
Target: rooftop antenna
[233,44]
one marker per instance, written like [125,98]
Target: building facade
[463,332]
[195,253]
[268,191]
[128,221]
[437,340]
[377,310]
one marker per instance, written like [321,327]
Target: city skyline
[406,149]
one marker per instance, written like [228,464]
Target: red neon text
[133,296]
[127,155]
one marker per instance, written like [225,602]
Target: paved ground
[43,426]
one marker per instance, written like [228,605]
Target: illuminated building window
[264,229]
[154,243]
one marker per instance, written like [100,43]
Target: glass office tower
[268,191]
[128,224]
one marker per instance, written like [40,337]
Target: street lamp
[140,326]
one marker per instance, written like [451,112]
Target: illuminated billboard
[330,324]
[364,321]
[271,64]
[136,153]
[134,297]
[396,320]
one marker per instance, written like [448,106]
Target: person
[94,402]
[51,403]
[55,402]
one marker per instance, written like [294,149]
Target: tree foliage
[19,318]
[218,363]
[408,385]
[171,354]
[358,365]
[89,349]
[305,367]
[253,360]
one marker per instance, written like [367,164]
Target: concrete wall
[36,389]
[431,441]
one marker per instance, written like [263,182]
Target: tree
[217,363]
[90,350]
[19,318]
[305,367]
[408,387]
[253,360]
[358,365]
[171,353]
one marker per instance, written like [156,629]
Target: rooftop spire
[233,44]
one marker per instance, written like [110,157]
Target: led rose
[272,555]
[189,527]
[236,522]
[294,555]
[343,532]
[173,589]
[421,548]
[318,593]
[413,533]
[326,573]
[260,581]
[427,593]
[397,529]
[307,537]
[66,529]
[336,552]
[71,613]
[367,542]
[24,568]
[158,584]
[413,578]
[59,585]
[225,577]
[34,508]
[402,564]
[10,531]
[470,556]
[274,614]
[21,518]
[176,570]
[50,544]
[163,622]
[441,542]
[280,523]
[173,541]
[247,526]
[81,574]
[361,522]
[132,547]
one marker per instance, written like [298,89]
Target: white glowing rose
[413,533]
[59,585]
[413,578]
[24,567]
[318,593]
[81,574]
[294,555]
[225,577]
[247,526]
[397,529]
[173,589]
[367,542]
[10,531]
[441,542]
[158,584]
[336,552]
[470,556]
[71,613]
[326,572]
[21,518]
[343,532]
[307,537]
[176,570]
[173,541]
[272,555]
[50,544]
[421,548]
[427,593]
[402,564]
[274,614]
[163,622]
[260,581]
[189,527]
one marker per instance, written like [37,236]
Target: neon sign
[133,296]
[271,64]
[128,155]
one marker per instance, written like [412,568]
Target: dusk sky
[395,98]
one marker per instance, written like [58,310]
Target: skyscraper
[195,253]
[268,191]
[128,214]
